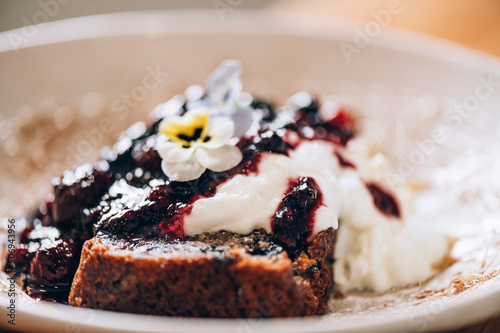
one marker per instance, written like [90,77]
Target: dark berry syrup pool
[126,194]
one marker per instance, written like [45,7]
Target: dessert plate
[431,106]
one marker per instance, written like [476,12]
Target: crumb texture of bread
[201,278]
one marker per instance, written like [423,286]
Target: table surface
[471,23]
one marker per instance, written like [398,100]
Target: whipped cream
[248,202]
[373,251]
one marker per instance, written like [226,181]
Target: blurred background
[472,23]
[12,11]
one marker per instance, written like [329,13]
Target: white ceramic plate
[402,86]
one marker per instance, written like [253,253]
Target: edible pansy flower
[223,89]
[197,143]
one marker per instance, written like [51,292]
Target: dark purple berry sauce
[293,221]
[343,162]
[384,201]
[127,195]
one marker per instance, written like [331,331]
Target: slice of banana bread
[210,275]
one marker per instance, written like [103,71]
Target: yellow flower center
[191,128]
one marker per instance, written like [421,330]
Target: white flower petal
[242,118]
[224,85]
[183,172]
[228,69]
[231,95]
[220,131]
[173,152]
[220,159]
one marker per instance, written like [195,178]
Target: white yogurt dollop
[372,251]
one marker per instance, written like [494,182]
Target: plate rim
[118,24]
